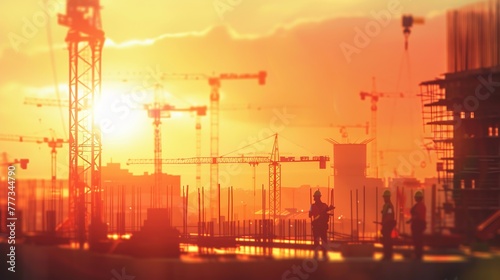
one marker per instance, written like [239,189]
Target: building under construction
[104,222]
[463,112]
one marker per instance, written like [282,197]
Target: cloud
[150,41]
[222,29]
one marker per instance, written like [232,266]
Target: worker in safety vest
[388,224]
[418,224]
[319,222]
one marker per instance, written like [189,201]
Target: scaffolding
[462,111]
[464,120]
[436,115]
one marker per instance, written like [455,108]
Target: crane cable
[264,139]
[54,71]
[405,61]
[246,146]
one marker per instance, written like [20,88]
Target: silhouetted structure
[85,39]
[463,111]
[349,165]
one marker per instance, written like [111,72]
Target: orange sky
[298,42]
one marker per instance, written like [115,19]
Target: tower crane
[407,24]
[274,161]
[214,81]
[374,98]
[54,144]
[85,40]
[156,111]
[5,161]
[200,111]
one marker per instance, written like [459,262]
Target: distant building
[126,198]
[349,180]
[124,192]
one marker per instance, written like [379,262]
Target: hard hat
[317,193]
[387,193]
[419,194]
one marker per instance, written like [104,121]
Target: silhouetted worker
[319,215]
[418,224]
[388,224]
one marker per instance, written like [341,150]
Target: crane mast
[275,181]
[157,111]
[85,40]
[374,96]
[214,140]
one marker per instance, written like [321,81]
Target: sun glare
[119,115]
